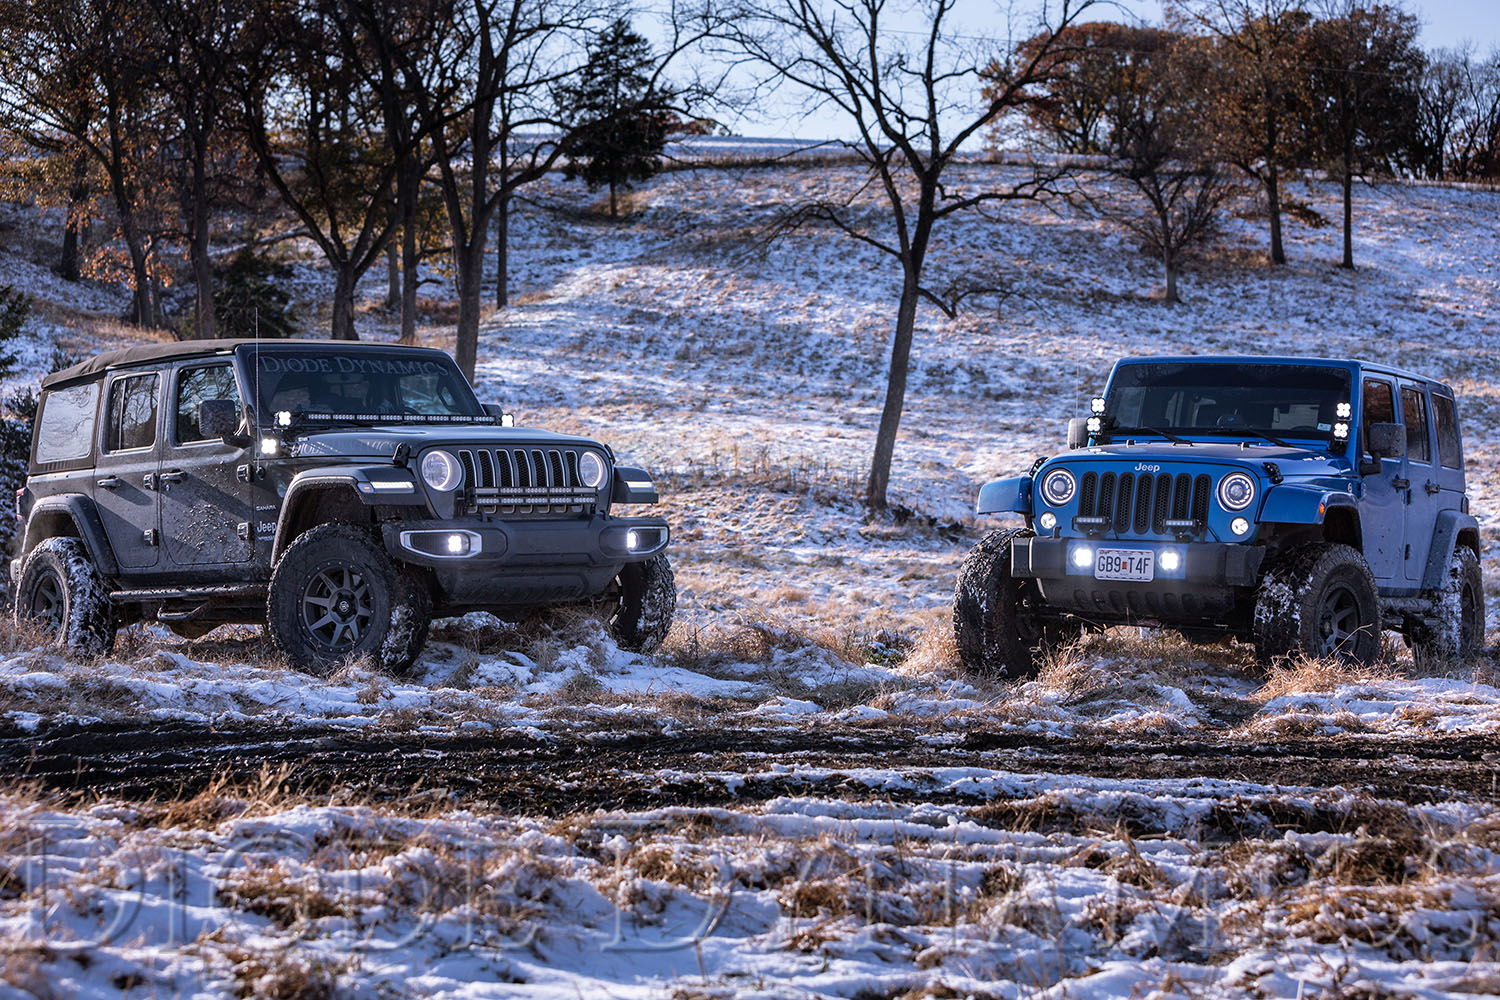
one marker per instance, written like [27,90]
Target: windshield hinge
[1274,471]
[401,456]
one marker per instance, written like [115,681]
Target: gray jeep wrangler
[1303,505]
[341,494]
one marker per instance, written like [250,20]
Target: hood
[1298,463]
[380,441]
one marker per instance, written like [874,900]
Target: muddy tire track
[570,772]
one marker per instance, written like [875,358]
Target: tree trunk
[1348,260]
[343,302]
[502,252]
[614,212]
[895,392]
[1171,298]
[392,277]
[1273,203]
[410,187]
[470,264]
[205,322]
[141,311]
[72,241]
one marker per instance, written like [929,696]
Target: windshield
[1228,400]
[360,386]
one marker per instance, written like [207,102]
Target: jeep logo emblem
[1143,467]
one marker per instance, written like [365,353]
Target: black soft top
[179,350]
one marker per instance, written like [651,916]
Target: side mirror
[1078,432]
[219,418]
[1386,440]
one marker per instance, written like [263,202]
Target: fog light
[1083,557]
[458,544]
[1170,561]
[1240,526]
[632,539]
[1048,520]
[268,445]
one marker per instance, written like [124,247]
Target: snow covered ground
[749,378]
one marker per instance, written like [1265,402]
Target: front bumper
[521,564]
[599,541]
[1207,585]
[1221,564]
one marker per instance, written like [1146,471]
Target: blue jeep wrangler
[1300,504]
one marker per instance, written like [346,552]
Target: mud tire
[62,593]
[997,632]
[1317,601]
[645,599]
[1458,631]
[374,607]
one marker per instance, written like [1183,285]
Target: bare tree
[1164,183]
[1261,88]
[909,95]
[1365,77]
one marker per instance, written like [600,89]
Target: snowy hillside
[749,379]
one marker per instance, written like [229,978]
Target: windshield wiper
[1148,430]
[1245,432]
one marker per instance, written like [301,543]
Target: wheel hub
[337,607]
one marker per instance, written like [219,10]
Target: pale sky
[1445,24]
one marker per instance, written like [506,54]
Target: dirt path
[567,773]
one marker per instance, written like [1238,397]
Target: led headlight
[1058,487]
[591,470]
[1236,491]
[441,471]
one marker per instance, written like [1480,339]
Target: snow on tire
[335,595]
[647,600]
[62,593]
[1318,600]
[1456,631]
[996,632]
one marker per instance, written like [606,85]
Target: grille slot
[1144,504]
[524,481]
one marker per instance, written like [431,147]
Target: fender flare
[1297,504]
[1005,496]
[373,485]
[84,516]
[1453,528]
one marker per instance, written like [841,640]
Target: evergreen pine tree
[617,119]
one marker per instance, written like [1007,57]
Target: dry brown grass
[1308,675]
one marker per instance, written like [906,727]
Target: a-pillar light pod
[1097,404]
[268,445]
[1341,431]
[1343,411]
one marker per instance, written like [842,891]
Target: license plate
[1124,564]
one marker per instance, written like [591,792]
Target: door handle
[109,482]
[1432,488]
[173,476]
[1401,484]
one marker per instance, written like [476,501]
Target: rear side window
[194,387]
[65,428]
[1414,413]
[132,413]
[1450,452]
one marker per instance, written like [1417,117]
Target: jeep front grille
[518,481]
[1143,504]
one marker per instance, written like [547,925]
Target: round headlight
[591,470]
[1058,487]
[441,471]
[1236,491]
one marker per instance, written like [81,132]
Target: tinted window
[362,385]
[195,386]
[1380,403]
[1414,410]
[66,426]
[1230,400]
[1449,452]
[132,413]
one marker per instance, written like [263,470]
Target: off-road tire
[62,593]
[373,606]
[645,599]
[1320,601]
[1458,631]
[997,632]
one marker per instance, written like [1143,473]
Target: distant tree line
[396,129]
[1255,91]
